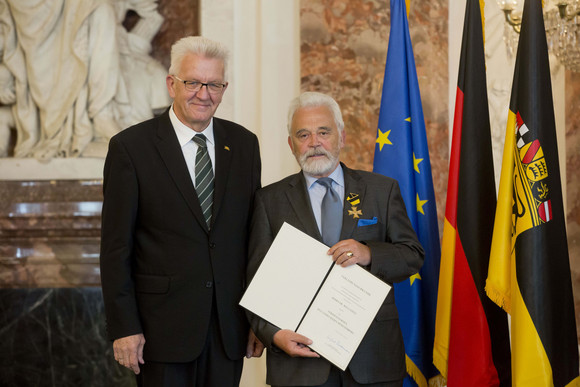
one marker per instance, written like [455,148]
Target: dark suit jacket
[160,265]
[396,255]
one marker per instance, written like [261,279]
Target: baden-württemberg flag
[529,273]
[471,333]
[401,152]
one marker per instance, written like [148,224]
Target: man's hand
[129,351]
[255,346]
[294,344]
[348,252]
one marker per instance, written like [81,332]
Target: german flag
[529,272]
[471,332]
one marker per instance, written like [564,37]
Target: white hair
[314,99]
[197,45]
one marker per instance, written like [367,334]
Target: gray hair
[197,45]
[314,99]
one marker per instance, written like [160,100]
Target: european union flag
[401,152]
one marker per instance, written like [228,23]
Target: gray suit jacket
[396,255]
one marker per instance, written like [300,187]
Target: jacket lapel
[223,159]
[171,154]
[354,194]
[300,201]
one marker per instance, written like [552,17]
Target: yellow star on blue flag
[414,277]
[416,162]
[383,138]
[420,204]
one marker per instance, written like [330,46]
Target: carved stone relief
[71,75]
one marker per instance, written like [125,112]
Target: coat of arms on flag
[531,189]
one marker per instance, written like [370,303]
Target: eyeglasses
[195,86]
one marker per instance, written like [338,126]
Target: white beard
[318,167]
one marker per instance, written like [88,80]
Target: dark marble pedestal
[56,337]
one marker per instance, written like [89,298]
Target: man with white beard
[361,216]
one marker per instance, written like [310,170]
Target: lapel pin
[353,199]
[227,148]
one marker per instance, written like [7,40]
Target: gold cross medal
[354,201]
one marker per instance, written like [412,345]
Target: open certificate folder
[298,287]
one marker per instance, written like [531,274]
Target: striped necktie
[331,213]
[203,177]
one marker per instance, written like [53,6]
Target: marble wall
[181,18]
[573,182]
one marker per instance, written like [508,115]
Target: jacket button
[212,245]
[208,284]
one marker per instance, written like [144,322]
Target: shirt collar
[185,133]
[337,176]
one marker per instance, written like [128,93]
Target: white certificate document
[291,290]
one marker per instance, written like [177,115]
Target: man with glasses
[178,192]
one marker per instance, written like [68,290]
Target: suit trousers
[338,378]
[212,368]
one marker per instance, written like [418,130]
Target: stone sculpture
[71,76]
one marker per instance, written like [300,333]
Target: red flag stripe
[470,360]
[455,154]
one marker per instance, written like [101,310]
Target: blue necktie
[331,214]
[203,177]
